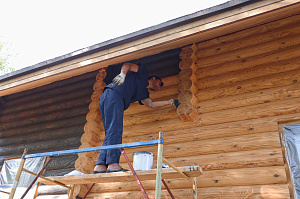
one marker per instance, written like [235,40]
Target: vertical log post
[186,86]
[159,168]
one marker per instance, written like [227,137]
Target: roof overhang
[210,23]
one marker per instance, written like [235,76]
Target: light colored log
[248,99]
[90,138]
[165,113]
[214,146]
[283,107]
[263,28]
[250,40]
[250,51]
[249,73]
[191,133]
[84,164]
[261,59]
[251,85]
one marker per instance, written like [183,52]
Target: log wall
[234,90]
[47,118]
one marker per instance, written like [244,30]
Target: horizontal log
[251,85]
[62,162]
[47,126]
[283,107]
[191,133]
[150,116]
[45,135]
[261,59]
[249,73]
[57,115]
[164,92]
[81,80]
[231,160]
[46,109]
[269,140]
[43,146]
[250,51]
[60,172]
[51,190]
[250,40]
[46,101]
[67,90]
[251,98]
[278,191]
[263,28]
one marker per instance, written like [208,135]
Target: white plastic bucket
[142,160]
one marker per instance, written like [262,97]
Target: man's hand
[119,79]
[175,102]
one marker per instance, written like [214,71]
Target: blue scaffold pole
[117,146]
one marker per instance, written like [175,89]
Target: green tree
[4,59]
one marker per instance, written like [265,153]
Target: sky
[37,30]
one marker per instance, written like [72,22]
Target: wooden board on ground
[167,173]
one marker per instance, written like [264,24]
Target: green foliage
[4,60]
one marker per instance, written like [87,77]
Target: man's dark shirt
[134,88]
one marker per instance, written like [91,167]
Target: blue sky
[38,30]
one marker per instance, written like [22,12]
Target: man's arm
[148,102]
[119,79]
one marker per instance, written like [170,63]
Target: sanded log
[191,133]
[152,115]
[261,83]
[84,164]
[283,107]
[250,51]
[261,59]
[214,146]
[186,86]
[249,73]
[248,99]
[249,41]
[90,138]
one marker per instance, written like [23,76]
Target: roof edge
[186,19]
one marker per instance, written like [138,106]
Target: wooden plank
[159,42]
[191,171]
[278,191]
